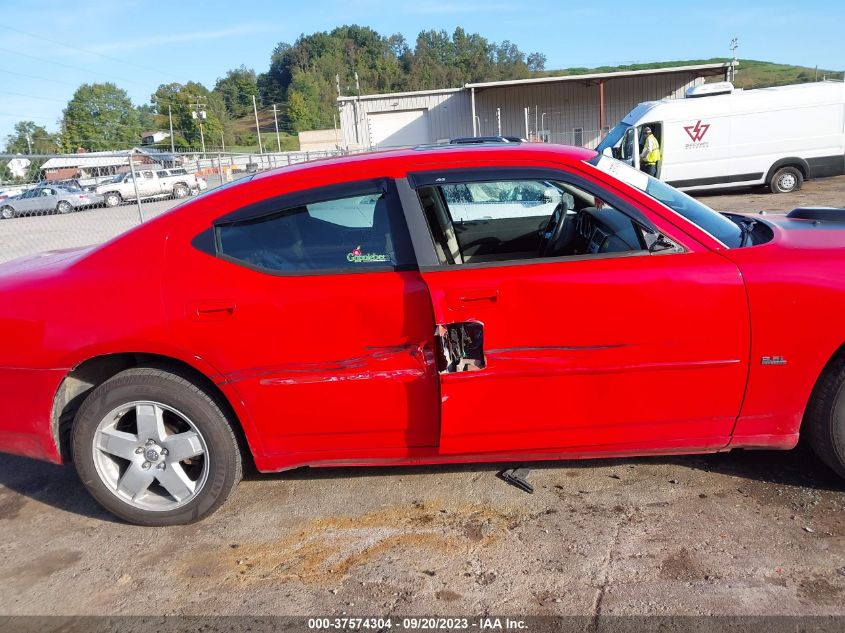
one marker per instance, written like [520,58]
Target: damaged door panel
[461,346]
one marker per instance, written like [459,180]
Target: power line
[52,81]
[85,50]
[20,94]
[85,70]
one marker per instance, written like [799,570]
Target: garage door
[395,129]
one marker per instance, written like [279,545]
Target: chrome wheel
[787,182]
[150,456]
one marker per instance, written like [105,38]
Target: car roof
[427,157]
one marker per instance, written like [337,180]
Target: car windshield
[717,225]
[613,137]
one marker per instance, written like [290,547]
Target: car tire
[180,191]
[825,418]
[129,438]
[786,180]
[64,207]
[7,213]
[112,199]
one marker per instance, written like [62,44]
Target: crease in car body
[360,367]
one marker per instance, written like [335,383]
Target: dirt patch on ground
[324,550]
[821,192]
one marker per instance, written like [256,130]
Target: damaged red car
[422,306]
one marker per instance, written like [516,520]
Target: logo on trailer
[696,132]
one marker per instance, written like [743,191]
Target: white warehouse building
[570,109]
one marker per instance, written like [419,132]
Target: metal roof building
[569,109]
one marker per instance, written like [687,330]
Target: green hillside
[751,73]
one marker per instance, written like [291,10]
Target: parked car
[10,192]
[47,198]
[337,313]
[152,183]
[73,183]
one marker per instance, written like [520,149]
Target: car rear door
[624,352]
[311,307]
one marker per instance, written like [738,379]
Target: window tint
[355,233]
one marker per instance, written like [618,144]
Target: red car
[455,304]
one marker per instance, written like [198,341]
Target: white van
[719,136]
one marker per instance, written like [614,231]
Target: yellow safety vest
[653,148]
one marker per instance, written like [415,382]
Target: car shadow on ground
[59,486]
[50,484]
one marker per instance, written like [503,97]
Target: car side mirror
[662,243]
[549,195]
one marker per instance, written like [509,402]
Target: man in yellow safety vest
[650,155]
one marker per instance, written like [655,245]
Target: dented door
[590,355]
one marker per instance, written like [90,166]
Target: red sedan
[452,304]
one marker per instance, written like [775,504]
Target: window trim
[279,204]
[433,178]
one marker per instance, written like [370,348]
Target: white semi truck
[719,136]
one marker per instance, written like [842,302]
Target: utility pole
[170,118]
[276,120]
[200,115]
[29,142]
[734,45]
[257,129]
[499,121]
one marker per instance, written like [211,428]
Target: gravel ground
[741,533]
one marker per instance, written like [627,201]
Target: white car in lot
[47,198]
[151,183]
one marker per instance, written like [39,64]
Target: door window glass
[355,233]
[526,219]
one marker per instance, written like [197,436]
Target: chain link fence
[58,201]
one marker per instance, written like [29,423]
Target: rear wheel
[786,179]
[64,207]
[112,199]
[7,213]
[180,191]
[155,449]
[825,419]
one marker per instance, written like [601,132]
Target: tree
[182,100]
[100,117]
[306,74]
[237,89]
[29,138]
[536,62]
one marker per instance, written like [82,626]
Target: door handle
[478,294]
[213,310]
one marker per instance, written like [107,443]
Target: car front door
[597,351]
[311,307]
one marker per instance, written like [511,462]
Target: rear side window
[355,233]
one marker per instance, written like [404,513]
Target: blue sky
[139,44]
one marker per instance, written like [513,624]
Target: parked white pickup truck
[152,183]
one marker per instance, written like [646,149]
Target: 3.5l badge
[774,360]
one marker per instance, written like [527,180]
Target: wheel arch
[837,356]
[92,372]
[791,161]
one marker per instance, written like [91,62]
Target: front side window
[346,234]
[508,220]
